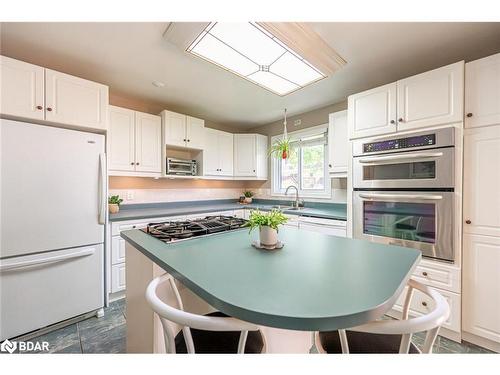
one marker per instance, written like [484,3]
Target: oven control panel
[400,143]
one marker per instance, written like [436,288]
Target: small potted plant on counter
[268,224]
[114,203]
[248,196]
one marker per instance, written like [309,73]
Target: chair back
[429,323]
[187,320]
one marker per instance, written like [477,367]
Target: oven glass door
[179,167]
[428,168]
[420,220]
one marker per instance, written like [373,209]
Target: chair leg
[343,341]
[404,347]
[242,343]
[430,338]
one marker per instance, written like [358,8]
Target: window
[307,166]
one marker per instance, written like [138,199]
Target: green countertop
[316,282]
[145,211]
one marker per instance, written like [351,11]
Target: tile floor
[107,335]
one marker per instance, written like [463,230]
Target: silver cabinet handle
[408,156]
[402,196]
[52,259]
[101,185]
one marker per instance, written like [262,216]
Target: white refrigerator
[53,210]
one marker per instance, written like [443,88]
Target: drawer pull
[424,273]
[424,303]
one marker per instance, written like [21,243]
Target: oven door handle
[401,197]
[407,156]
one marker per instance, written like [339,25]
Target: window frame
[276,190]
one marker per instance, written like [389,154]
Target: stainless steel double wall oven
[404,191]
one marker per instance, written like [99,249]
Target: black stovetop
[169,231]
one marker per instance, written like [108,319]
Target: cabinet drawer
[117,250]
[438,275]
[421,304]
[117,277]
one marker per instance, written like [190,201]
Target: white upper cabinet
[250,155]
[482,92]
[121,139]
[481,201]
[147,142]
[338,143]
[195,132]
[175,128]
[43,94]
[431,98]
[22,89]
[183,131]
[372,112]
[134,143]
[75,101]
[428,99]
[218,153]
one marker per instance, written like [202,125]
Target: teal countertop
[145,211]
[316,282]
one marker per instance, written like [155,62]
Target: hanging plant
[281,148]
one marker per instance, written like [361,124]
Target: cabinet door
[195,133]
[121,136]
[147,142]
[226,154]
[482,92]
[372,112]
[22,89]
[211,153]
[338,143]
[175,128]
[482,181]
[117,250]
[75,101]
[244,155]
[431,98]
[481,286]
[118,277]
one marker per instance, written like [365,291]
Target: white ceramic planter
[248,199]
[113,208]
[268,236]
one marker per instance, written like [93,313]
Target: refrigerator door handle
[11,266]
[102,189]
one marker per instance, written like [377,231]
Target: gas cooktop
[169,231]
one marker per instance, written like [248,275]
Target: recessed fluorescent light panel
[249,51]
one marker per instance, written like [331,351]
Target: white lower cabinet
[117,277]
[481,287]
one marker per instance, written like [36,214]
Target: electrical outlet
[297,122]
[130,195]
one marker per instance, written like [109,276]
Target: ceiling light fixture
[158,84]
[248,50]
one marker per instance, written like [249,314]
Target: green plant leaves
[115,199]
[272,219]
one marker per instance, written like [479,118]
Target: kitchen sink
[280,207]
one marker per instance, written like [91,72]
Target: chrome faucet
[296,204]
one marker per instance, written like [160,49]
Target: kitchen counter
[145,211]
[307,286]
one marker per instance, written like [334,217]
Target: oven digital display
[401,143]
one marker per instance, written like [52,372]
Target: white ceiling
[129,56]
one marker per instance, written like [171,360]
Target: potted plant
[114,203]
[268,224]
[248,196]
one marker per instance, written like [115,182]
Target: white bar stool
[212,333]
[389,336]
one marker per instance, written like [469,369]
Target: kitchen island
[316,282]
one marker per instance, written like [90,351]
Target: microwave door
[415,219]
[420,169]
